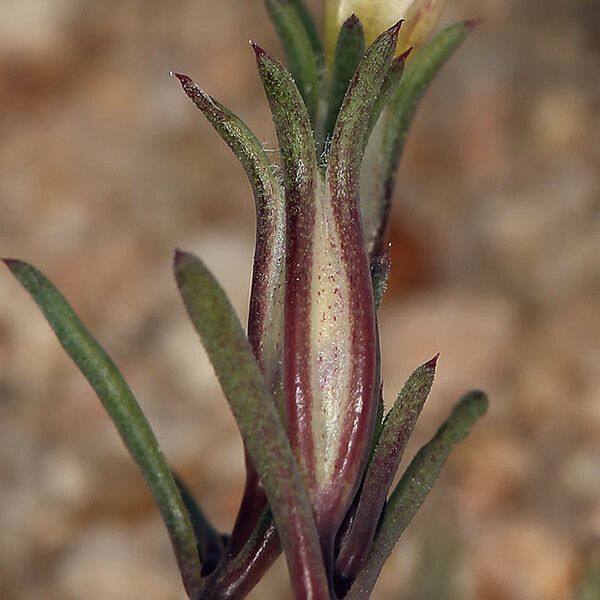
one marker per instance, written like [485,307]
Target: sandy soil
[105,167]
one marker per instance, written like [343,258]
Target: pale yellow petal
[375,15]
[420,18]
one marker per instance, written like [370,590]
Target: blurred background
[105,167]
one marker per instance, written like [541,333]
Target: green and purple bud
[330,344]
[320,270]
[303,382]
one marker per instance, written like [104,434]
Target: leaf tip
[258,51]
[432,363]
[352,21]
[13,263]
[179,258]
[469,410]
[404,56]
[184,79]
[478,402]
[395,28]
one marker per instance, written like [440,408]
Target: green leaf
[390,85]
[348,52]
[258,420]
[265,320]
[413,488]
[396,431]
[310,27]
[237,135]
[387,141]
[418,75]
[292,124]
[398,425]
[350,132]
[265,326]
[299,49]
[117,399]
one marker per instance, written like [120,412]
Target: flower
[420,17]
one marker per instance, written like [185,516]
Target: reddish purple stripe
[301,214]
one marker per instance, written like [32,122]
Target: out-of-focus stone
[493,474]
[540,245]
[474,334]
[105,167]
[33,26]
[522,561]
[110,563]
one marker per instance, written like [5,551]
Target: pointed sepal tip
[395,28]
[179,257]
[258,51]
[404,56]
[432,363]
[182,77]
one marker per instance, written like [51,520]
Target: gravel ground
[105,167]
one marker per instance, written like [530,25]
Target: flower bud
[420,18]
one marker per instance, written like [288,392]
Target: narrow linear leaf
[208,539]
[265,320]
[418,75]
[116,397]
[396,430]
[292,124]
[373,169]
[415,485]
[390,85]
[258,420]
[299,50]
[237,135]
[349,50]
[265,325]
[389,133]
[349,135]
[309,26]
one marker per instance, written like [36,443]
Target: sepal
[349,50]
[265,319]
[259,423]
[386,143]
[396,430]
[414,486]
[299,46]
